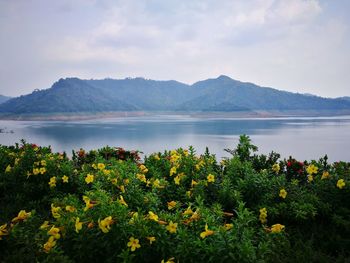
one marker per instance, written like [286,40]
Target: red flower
[81,153]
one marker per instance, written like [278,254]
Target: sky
[295,45]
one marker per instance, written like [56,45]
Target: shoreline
[198,114]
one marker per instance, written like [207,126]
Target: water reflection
[304,138]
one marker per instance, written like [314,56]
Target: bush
[174,206]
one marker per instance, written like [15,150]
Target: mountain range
[4,98]
[222,94]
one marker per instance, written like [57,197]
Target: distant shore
[77,116]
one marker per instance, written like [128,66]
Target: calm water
[303,138]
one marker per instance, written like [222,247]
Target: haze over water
[303,138]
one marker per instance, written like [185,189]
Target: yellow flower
[283,193]
[177,180]
[105,224]
[70,208]
[195,215]
[101,166]
[193,183]
[22,216]
[311,169]
[65,178]
[172,227]
[199,165]
[170,260]
[122,188]
[211,178]
[151,239]
[52,182]
[49,244]
[94,166]
[207,232]
[36,171]
[228,226]
[88,203]
[185,152]
[114,181]
[172,171]
[276,168]
[174,156]
[325,175]
[133,244]
[143,169]
[141,177]
[310,178]
[55,211]
[43,162]
[263,215]
[3,231]
[277,228]
[340,183]
[188,211]
[89,178]
[156,184]
[171,205]
[78,225]
[156,157]
[152,216]
[44,225]
[106,172]
[8,169]
[55,232]
[42,170]
[122,201]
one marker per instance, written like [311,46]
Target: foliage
[174,206]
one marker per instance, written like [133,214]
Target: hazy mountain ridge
[66,95]
[139,94]
[4,98]
[145,94]
[347,98]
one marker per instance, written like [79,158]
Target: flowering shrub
[174,206]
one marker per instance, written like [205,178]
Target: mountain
[344,98]
[223,93]
[4,98]
[146,94]
[73,95]
[66,95]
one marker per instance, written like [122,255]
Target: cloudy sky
[294,45]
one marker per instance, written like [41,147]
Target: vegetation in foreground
[107,205]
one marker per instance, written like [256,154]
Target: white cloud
[295,10]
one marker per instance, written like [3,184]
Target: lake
[302,137]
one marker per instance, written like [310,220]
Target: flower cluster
[158,208]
